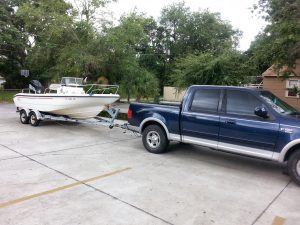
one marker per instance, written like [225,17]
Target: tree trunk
[128,95]
[138,98]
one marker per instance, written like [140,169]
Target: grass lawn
[6,96]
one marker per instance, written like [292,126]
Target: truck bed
[167,113]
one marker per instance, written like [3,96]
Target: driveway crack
[90,186]
[269,205]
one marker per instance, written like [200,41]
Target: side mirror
[261,112]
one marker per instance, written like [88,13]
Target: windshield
[277,104]
[70,81]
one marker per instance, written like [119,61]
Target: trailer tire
[294,166]
[155,139]
[34,121]
[24,118]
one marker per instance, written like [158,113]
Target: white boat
[70,98]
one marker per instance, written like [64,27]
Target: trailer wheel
[34,121]
[294,167]
[155,139]
[23,117]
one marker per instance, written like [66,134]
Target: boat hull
[74,106]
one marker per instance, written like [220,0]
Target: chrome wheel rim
[153,139]
[23,117]
[298,167]
[32,119]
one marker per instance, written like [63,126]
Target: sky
[237,12]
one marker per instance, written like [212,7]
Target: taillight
[129,114]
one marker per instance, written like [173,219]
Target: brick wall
[278,87]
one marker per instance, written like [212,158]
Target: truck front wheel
[294,166]
[155,139]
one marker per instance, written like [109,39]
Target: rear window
[205,100]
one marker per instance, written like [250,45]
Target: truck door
[241,131]
[200,119]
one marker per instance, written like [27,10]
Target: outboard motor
[36,87]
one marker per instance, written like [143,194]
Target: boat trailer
[34,117]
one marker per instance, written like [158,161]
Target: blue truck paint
[166,114]
[269,138]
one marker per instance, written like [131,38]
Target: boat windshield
[278,105]
[71,81]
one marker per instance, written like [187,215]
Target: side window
[241,103]
[205,100]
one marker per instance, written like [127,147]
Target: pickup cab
[244,121]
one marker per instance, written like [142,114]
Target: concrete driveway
[66,173]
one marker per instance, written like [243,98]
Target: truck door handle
[230,122]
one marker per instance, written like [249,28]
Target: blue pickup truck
[245,121]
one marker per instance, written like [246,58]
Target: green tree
[137,81]
[139,53]
[259,58]
[280,41]
[207,32]
[127,45]
[88,10]
[174,19]
[185,33]
[188,32]
[208,69]
[61,46]
[82,56]
[13,44]
[49,25]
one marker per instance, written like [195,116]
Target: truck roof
[227,87]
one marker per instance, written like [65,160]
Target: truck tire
[34,121]
[155,139]
[24,118]
[294,167]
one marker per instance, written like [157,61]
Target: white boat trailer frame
[34,117]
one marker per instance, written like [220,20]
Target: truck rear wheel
[155,139]
[294,166]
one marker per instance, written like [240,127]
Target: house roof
[270,72]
